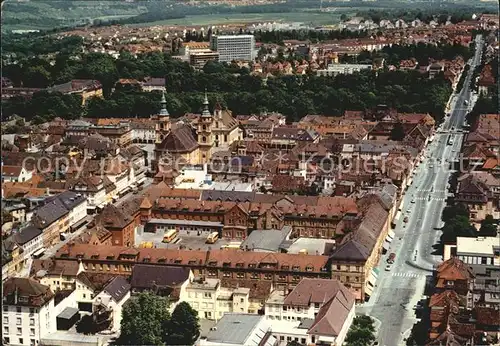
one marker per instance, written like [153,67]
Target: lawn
[314,18]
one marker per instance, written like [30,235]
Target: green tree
[361,332]
[37,77]
[184,327]
[397,132]
[452,211]
[144,320]
[488,227]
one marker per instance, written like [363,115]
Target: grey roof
[186,222]
[68,313]
[118,288]
[235,196]
[351,250]
[266,239]
[55,207]
[234,328]
[27,234]
[147,276]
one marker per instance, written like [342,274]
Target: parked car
[405,220]
[391,258]
[388,268]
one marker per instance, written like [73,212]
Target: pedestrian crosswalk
[432,198]
[434,191]
[407,275]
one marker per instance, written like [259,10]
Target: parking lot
[190,240]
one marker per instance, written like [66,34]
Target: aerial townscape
[250,173]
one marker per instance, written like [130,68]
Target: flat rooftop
[480,245]
[234,328]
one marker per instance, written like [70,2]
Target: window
[32,342]
[316,305]
[18,321]
[303,341]
[19,331]
[32,332]
[282,338]
[18,309]
[32,321]
[268,276]
[32,311]
[288,338]
[5,308]
[21,341]
[208,295]
[6,330]
[242,300]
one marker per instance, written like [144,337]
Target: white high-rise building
[233,47]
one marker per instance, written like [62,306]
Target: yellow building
[226,129]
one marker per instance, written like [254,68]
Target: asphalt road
[399,289]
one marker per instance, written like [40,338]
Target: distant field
[315,18]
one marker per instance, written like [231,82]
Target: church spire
[206,110]
[163,110]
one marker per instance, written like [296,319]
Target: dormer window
[296,268]
[95,256]
[161,260]
[251,265]
[309,268]
[239,265]
[178,261]
[110,257]
[226,264]
[212,263]
[146,260]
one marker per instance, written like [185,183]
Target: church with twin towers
[194,138]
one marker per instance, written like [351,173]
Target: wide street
[401,287]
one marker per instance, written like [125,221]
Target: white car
[412,201]
[388,268]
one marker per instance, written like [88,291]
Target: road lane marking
[406,275]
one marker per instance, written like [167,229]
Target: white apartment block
[234,47]
[335,69]
[213,301]
[28,312]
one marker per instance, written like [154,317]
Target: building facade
[233,47]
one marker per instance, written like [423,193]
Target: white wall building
[325,308]
[335,69]
[213,301]
[28,312]
[234,47]
[109,302]
[15,174]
